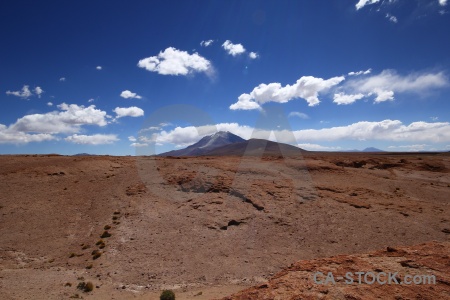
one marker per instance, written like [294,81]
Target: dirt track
[213,225]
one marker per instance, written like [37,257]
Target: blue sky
[116,77]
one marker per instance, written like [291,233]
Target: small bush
[89,266]
[107,227]
[167,295]
[86,286]
[105,234]
[96,255]
[99,242]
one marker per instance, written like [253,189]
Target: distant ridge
[84,154]
[372,149]
[368,149]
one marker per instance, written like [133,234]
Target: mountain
[256,147]
[372,149]
[206,144]
[226,143]
[369,149]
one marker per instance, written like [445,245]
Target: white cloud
[25,93]
[317,147]
[132,111]
[11,136]
[253,55]
[99,67]
[360,73]
[434,118]
[132,138]
[91,100]
[139,145]
[176,62]
[128,94]
[233,49]
[96,139]
[442,2]
[389,130]
[383,95]
[362,3]
[342,98]
[206,43]
[49,103]
[386,130]
[391,18]
[388,82]
[38,91]
[307,87]
[410,148]
[62,79]
[68,120]
[298,114]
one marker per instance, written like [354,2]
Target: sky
[126,77]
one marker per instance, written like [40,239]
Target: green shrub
[167,295]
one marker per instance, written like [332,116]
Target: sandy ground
[205,227]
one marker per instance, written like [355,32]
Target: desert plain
[230,227]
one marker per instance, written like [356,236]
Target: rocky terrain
[208,227]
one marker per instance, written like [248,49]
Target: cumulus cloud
[25,93]
[132,111]
[410,148]
[38,91]
[360,73]
[253,55]
[342,98]
[11,136]
[206,43]
[307,87]
[386,130]
[138,145]
[233,49]
[68,120]
[132,138]
[95,139]
[98,68]
[362,3]
[49,104]
[391,18]
[298,114]
[62,79]
[388,82]
[91,100]
[311,139]
[176,62]
[129,94]
[442,2]
[317,147]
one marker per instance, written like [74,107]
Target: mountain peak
[207,143]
